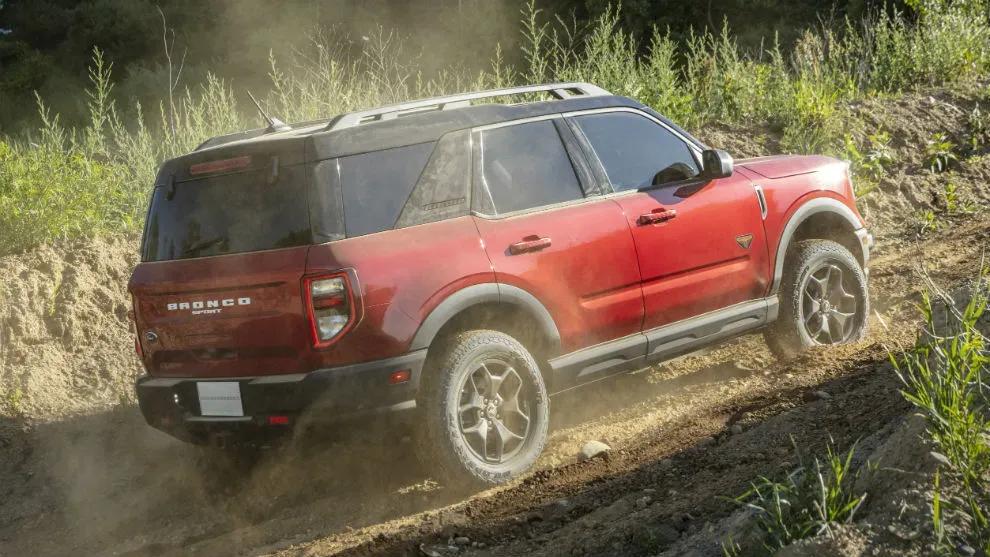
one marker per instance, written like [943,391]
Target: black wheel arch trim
[803,213]
[486,293]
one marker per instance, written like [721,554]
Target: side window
[636,151]
[376,185]
[526,166]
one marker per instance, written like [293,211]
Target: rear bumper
[325,395]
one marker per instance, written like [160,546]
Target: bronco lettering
[199,305]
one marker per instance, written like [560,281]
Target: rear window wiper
[200,246]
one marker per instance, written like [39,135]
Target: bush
[53,192]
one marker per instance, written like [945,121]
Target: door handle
[656,216]
[529,244]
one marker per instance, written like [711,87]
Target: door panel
[576,255]
[708,252]
[585,270]
[701,244]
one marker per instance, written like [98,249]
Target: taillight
[331,307]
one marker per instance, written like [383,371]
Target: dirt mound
[67,367]
[65,343]
[908,186]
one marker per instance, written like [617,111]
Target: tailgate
[234,315]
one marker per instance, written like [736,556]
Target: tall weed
[946,376]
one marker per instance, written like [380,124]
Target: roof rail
[559,91]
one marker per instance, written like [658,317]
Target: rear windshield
[232,213]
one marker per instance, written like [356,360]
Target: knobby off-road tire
[823,300]
[485,411]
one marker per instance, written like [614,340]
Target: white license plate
[220,398]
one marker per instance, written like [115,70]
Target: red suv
[461,262]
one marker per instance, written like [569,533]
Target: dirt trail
[669,428]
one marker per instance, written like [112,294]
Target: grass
[810,501]
[945,377]
[57,183]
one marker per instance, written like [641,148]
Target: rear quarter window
[376,186]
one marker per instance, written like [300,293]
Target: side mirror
[717,164]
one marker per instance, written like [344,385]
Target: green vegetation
[939,153]
[810,501]
[946,376]
[64,182]
[872,167]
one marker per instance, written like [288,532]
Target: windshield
[226,214]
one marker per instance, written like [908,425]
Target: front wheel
[485,409]
[823,300]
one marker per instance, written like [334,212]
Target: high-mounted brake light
[219,166]
[331,307]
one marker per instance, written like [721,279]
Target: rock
[706,442]
[736,429]
[462,540]
[666,535]
[429,551]
[680,521]
[811,396]
[649,491]
[965,550]
[593,449]
[643,502]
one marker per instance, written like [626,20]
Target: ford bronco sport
[460,262]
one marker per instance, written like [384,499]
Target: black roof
[314,141]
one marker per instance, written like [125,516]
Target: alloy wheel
[494,411]
[828,309]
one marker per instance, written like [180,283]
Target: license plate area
[220,398]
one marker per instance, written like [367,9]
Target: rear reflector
[278,420]
[399,377]
[328,303]
[219,166]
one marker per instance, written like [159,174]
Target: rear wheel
[823,300]
[485,409]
